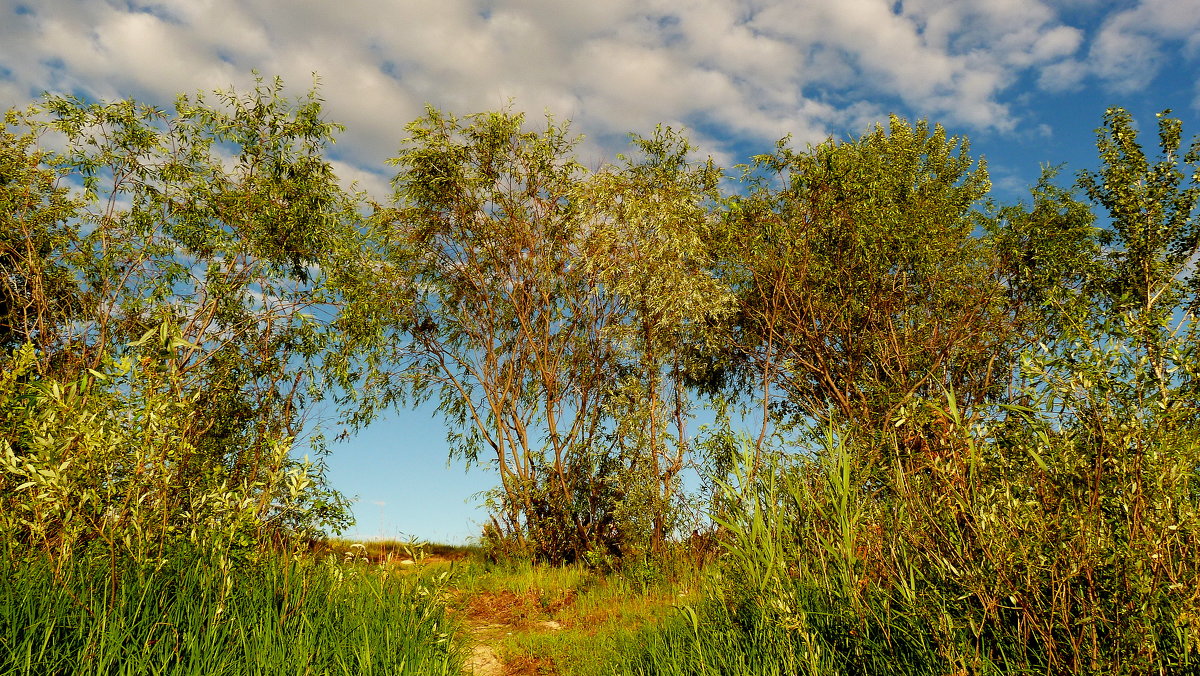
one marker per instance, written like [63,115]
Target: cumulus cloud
[1132,46]
[734,70]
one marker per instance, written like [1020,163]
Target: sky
[1027,81]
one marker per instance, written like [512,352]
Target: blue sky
[1026,80]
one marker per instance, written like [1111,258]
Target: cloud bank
[731,70]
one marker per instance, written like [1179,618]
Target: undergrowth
[1036,556]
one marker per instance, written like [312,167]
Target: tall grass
[282,616]
[1035,549]
[714,638]
[788,596]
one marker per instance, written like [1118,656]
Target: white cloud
[1131,47]
[1063,76]
[735,69]
[951,60]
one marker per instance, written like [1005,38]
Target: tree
[1045,252]
[651,223]
[217,223]
[861,283]
[1153,234]
[496,318]
[39,295]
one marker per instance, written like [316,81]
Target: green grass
[280,616]
[764,606]
[816,636]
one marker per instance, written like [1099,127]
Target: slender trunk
[650,367]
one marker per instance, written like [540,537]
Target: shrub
[106,462]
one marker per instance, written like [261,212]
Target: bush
[107,462]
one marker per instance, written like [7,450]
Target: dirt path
[494,618]
[484,662]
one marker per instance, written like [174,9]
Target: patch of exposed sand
[483,662]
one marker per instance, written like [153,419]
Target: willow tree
[1153,233]
[861,284]
[500,323]
[212,228]
[651,227]
[39,294]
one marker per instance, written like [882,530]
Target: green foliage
[1152,236]
[1043,250]
[107,465]
[861,283]
[38,293]
[172,278]
[1151,205]
[650,233]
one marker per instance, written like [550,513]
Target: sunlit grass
[279,616]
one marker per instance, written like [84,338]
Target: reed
[1029,550]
